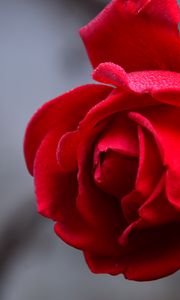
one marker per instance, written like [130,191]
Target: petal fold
[164,123]
[63,112]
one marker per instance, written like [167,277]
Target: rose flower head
[106,157]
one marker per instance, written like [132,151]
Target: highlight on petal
[135,35]
[67,151]
[65,112]
[152,82]
[111,74]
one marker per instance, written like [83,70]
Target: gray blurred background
[41,56]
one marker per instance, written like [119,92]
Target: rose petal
[115,156]
[56,193]
[120,135]
[111,74]
[152,82]
[152,254]
[104,264]
[167,11]
[140,223]
[164,123]
[157,210]
[150,171]
[168,96]
[130,204]
[135,35]
[116,102]
[97,207]
[116,173]
[150,164]
[102,112]
[66,151]
[65,112]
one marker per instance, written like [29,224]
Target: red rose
[106,160]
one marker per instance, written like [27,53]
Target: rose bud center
[116,157]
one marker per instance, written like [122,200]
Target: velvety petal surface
[116,156]
[144,82]
[149,172]
[151,254]
[170,97]
[116,173]
[153,213]
[137,35]
[96,206]
[157,210]
[65,112]
[164,123]
[103,112]
[56,193]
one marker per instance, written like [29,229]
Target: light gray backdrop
[41,56]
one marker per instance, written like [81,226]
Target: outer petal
[116,173]
[56,193]
[152,254]
[105,264]
[135,35]
[65,112]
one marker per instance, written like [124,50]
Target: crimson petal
[116,156]
[65,112]
[165,129]
[152,82]
[149,172]
[152,254]
[135,35]
[56,193]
